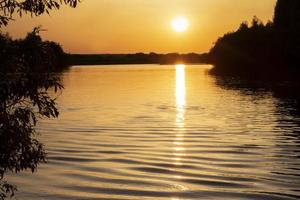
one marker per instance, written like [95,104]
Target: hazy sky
[128,26]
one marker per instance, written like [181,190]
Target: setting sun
[180,24]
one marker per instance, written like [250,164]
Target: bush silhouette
[261,48]
[25,78]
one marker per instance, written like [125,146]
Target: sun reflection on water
[180,95]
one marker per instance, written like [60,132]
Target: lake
[166,132]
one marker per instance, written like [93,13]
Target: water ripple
[121,135]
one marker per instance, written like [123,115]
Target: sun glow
[180,24]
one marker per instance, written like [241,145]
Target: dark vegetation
[28,71]
[138,58]
[259,49]
[30,54]
[33,7]
[264,57]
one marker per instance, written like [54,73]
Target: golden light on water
[180,94]
[177,112]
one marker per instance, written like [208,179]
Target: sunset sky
[129,26]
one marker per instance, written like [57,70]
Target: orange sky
[129,26]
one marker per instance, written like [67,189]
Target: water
[165,132]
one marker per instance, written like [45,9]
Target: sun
[180,24]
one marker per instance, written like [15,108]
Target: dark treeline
[262,49]
[138,58]
[30,54]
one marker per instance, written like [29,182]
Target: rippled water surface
[165,132]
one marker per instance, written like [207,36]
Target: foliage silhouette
[287,30]
[26,76]
[32,7]
[270,49]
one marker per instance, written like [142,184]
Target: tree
[33,7]
[244,26]
[262,49]
[287,15]
[25,78]
[244,50]
[287,26]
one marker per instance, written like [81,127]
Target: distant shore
[138,58]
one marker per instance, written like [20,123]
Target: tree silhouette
[287,15]
[287,27]
[241,51]
[34,7]
[26,76]
[270,49]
